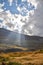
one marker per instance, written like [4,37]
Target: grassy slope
[24,58]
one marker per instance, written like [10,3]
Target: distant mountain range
[14,38]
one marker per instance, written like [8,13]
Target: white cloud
[31,24]
[10,1]
[11,21]
[18,8]
[34,2]
[37,19]
[1,5]
[23,10]
[23,0]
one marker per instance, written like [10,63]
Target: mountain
[13,38]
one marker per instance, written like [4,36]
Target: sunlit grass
[22,58]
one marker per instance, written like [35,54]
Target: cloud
[10,1]
[16,22]
[1,5]
[31,24]
[37,19]
[22,10]
[34,2]
[23,0]
[11,21]
[38,16]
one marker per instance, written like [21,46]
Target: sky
[23,16]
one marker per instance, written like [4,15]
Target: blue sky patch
[13,8]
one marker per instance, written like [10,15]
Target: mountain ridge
[14,38]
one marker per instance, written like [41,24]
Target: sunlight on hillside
[22,58]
